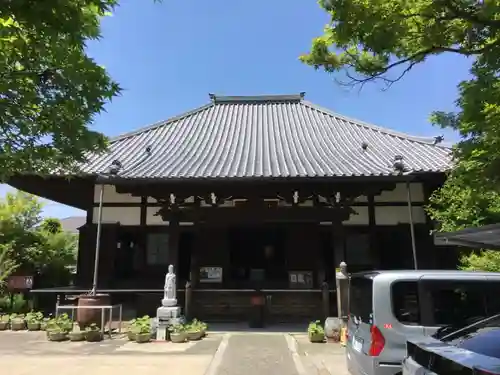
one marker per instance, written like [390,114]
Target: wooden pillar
[338,242]
[173,242]
[372,232]
[188,295]
[109,239]
[142,245]
[325,297]
[192,283]
[86,251]
[195,262]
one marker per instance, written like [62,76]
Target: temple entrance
[257,256]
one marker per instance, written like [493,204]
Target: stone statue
[170,288]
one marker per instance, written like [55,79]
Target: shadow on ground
[36,344]
[243,327]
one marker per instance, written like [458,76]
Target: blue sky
[169,56]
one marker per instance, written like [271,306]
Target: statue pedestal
[166,316]
[166,302]
[165,313]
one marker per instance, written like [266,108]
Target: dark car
[470,350]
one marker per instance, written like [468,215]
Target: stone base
[165,317]
[167,313]
[166,302]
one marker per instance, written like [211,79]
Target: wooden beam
[258,214]
[287,191]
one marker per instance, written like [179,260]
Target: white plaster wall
[398,215]
[111,196]
[383,215]
[360,218]
[122,215]
[151,219]
[361,198]
[400,194]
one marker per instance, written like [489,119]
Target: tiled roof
[266,136]
[73,223]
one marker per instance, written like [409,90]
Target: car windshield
[455,326]
[485,341]
[482,337]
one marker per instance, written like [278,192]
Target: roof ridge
[219,99]
[394,133]
[160,123]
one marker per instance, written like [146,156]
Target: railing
[103,308]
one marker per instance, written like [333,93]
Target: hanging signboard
[210,274]
[300,279]
[19,283]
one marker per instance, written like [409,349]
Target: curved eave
[74,191]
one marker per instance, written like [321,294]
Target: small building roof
[485,237]
[266,137]
[71,224]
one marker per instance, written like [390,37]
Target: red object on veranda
[257,300]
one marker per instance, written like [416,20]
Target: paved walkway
[230,353]
[247,353]
[106,365]
[321,359]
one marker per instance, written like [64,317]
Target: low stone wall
[280,306]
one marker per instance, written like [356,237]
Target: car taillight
[377,343]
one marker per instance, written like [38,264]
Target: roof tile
[274,136]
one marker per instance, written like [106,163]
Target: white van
[385,307]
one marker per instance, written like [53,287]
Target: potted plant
[203,327]
[65,322]
[57,329]
[316,332]
[57,333]
[17,322]
[193,331]
[44,322]
[50,325]
[4,322]
[177,333]
[132,329]
[93,333]
[143,331]
[34,320]
[77,335]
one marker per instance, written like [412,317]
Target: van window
[462,301]
[361,298]
[405,306]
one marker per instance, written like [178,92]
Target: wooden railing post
[187,301]
[325,293]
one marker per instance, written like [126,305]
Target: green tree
[7,265]
[382,40]
[456,206]
[35,245]
[50,89]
